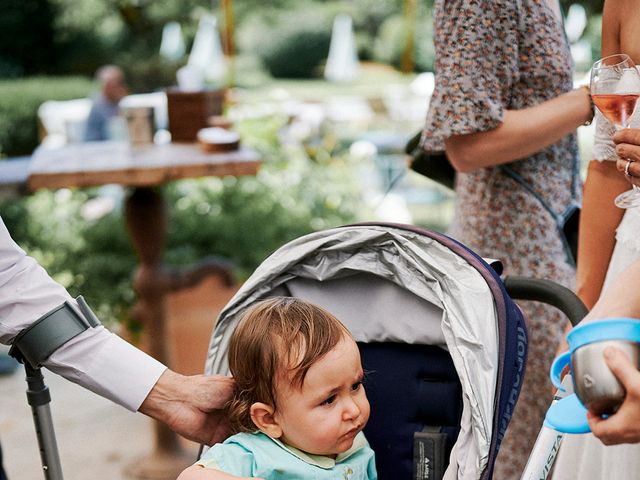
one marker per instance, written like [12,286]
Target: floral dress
[493,55]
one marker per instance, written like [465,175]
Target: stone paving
[97,439]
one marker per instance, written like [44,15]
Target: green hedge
[19,102]
[289,43]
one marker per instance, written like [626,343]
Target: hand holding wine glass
[615,89]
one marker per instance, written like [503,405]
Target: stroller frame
[516,288]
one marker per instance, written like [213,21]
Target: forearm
[521,133]
[198,472]
[598,222]
[107,365]
[96,359]
[621,298]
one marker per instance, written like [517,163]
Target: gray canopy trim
[390,284]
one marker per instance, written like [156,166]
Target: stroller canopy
[400,284]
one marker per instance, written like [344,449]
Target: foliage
[92,258]
[19,102]
[298,41]
[148,73]
[27,37]
[71,36]
[296,191]
[391,42]
[295,52]
[591,6]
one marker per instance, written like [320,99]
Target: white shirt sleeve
[96,359]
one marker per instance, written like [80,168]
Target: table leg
[146,220]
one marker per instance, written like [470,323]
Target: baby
[300,405]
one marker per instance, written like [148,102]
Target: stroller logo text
[521,352]
[551,457]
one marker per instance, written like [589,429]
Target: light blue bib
[258,455]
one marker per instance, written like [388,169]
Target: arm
[198,472]
[95,126]
[521,133]
[600,217]
[103,362]
[619,300]
[491,134]
[596,238]
[598,222]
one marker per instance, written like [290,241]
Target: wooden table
[99,163]
[144,169]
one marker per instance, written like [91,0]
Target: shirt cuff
[108,366]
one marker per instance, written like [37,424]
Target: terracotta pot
[191,315]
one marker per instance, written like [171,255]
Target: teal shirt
[258,455]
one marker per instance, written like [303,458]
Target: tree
[27,40]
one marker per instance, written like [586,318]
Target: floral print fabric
[492,56]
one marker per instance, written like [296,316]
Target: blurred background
[328,93]
[331,142]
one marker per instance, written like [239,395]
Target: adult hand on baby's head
[624,425]
[628,149]
[191,405]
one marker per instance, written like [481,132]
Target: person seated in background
[105,106]
[300,404]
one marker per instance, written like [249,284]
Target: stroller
[443,343]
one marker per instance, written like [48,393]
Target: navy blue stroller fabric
[425,391]
[427,386]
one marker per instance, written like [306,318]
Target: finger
[633,170]
[622,368]
[209,393]
[628,151]
[611,430]
[627,135]
[600,429]
[621,164]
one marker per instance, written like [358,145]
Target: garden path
[96,438]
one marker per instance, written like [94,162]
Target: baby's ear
[263,417]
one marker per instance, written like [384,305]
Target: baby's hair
[276,339]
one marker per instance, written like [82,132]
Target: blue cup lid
[627,329]
[567,416]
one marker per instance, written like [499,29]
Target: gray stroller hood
[391,284]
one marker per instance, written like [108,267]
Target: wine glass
[615,88]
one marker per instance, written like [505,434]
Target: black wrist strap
[37,342]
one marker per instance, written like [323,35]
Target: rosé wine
[617,108]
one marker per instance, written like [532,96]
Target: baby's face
[328,412]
